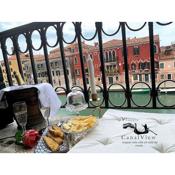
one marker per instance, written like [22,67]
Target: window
[147,65]
[110,56]
[156,65]
[99,79]
[136,50]
[77,72]
[86,71]
[91,56]
[135,77]
[117,77]
[162,76]
[161,65]
[113,55]
[133,66]
[110,80]
[140,77]
[67,72]
[75,60]
[142,66]
[53,73]
[56,64]
[38,66]
[169,76]
[107,58]
[146,77]
[58,72]
[87,80]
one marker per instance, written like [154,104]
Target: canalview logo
[141,135]
[144,130]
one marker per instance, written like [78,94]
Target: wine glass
[20,111]
[46,114]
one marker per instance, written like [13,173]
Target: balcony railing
[41,27]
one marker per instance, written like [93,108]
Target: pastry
[51,144]
[56,132]
[59,140]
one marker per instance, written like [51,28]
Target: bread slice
[51,144]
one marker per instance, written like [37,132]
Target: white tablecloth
[110,136]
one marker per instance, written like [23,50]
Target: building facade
[167,63]
[138,53]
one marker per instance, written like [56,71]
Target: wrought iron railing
[41,27]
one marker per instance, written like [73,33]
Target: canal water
[141,99]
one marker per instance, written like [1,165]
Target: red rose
[30,138]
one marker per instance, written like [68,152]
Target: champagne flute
[46,114]
[20,111]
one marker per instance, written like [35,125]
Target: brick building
[138,51]
[138,60]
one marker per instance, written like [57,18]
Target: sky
[166,33]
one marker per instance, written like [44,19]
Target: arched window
[110,56]
[133,66]
[113,55]
[107,58]
[142,66]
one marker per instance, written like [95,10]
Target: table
[7,145]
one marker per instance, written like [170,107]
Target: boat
[141,91]
[167,90]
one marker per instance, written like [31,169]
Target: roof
[129,41]
[167,52]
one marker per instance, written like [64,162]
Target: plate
[42,147]
[78,132]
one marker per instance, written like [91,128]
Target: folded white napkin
[48,97]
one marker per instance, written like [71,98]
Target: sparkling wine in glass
[46,114]
[20,111]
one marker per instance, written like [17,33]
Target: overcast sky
[166,33]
